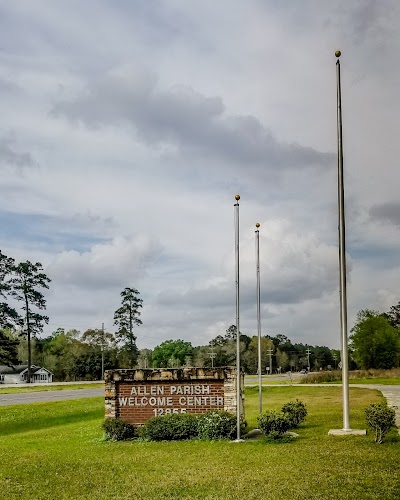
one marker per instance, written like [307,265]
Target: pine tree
[27,279]
[125,318]
[9,317]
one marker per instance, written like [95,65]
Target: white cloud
[123,261]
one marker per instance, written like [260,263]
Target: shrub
[216,425]
[381,418]
[117,429]
[321,377]
[273,423]
[295,411]
[170,427]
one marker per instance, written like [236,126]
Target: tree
[250,356]
[100,341]
[27,279]
[393,315]
[8,348]
[6,267]
[125,318]
[172,353]
[97,337]
[217,341]
[9,317]
[145,358]
[280,340]
[231,333]
[374,341]
[282,360]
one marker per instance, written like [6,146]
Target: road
[47,396]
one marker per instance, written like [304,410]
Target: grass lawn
[49,387]
[376,380]
[55,451]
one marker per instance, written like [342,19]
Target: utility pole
[308,352]
[270,351]
[212,355]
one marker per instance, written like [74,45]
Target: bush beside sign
[137,395]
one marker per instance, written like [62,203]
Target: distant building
[19,374]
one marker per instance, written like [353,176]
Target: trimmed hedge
[273,423]
[295,411]
[117,429]
[215,425]
[170,427]
[212,425]
[381,418]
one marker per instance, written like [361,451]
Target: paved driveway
[390,392]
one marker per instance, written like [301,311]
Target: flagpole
[342,254]
[238,392]
[259,315]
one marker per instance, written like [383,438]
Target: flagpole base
[238,441]
[347,432]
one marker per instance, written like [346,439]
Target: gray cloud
[372,21]
[9,157]
[295,268]
[8,86]
[185,118]
[389,212]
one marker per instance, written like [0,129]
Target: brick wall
[137,395]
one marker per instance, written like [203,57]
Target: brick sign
[137,395]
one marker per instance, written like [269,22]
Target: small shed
[18,374]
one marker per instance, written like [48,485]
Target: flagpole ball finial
[237,197]
[338,53]
[257,225]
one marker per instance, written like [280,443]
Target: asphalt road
[46,396]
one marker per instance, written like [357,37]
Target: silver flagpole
[258,314]
[238,392]
[342,255]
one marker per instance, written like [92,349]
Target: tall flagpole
[238,392]
[258,314]
[342,254]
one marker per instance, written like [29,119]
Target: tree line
[72,355]
[278,354]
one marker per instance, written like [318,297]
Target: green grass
[49,387]
[372,376]
[55,451]
[271,380]
[376,380]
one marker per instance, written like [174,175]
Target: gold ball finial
[237,197]
[338,53]
[257,225]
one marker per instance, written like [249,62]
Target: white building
[19,374]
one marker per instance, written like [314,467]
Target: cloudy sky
[127,127]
